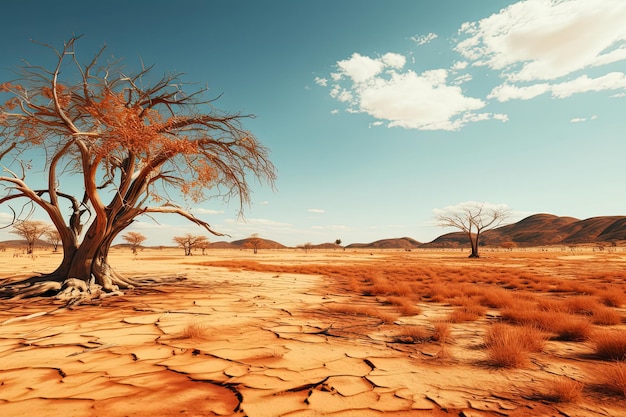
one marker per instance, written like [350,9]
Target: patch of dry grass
[194,330]
[508,346]
[562,390]
[609,344]
[412,334]
[613,378]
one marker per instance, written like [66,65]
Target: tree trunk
[84,268]
[474,243]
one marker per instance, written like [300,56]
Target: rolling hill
[543,230]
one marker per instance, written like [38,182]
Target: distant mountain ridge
[543,230]
[536,230]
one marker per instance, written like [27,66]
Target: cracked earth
[265,345]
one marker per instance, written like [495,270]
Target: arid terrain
[525,332]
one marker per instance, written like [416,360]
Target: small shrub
[606,316]
[609,344]
[581,304]
[404,306]
[504,346]
[469,309]
[412,334]
[496,297]
[194,330]
[441,332]
[611,298]
[614,378]
[563,390]
[569,327]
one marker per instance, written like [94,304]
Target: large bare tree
[473,218]
[135,146]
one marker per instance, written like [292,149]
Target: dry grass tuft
[563,390]
[606,316]
[194,330]
[469,309]
[412,334]
[405,306]
[614,378]
[384,316]
[569,327]
[609,344]
[508,346]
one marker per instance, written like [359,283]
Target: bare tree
[54,238]
[134,239]
[31,231]
[473,218]
[188,242]
[137,145]
[254,242]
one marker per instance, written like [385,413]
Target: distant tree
[31,230]
[254,242]
[508,245]
[338,242]
[204,245]
[133,140]
[134,239]
[188,242]
[54,238]
[307,246]
[473,218]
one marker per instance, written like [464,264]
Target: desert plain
[522,332]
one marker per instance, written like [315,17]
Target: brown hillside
[543,230]
[399,243]
[265,244]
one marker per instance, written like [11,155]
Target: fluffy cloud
[382,88]
[545,40]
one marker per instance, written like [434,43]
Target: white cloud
[394,60]
[332,227]
[258,222]
[314,210]
[359,68]
[544,40]
[321,81]
[578,120]
[469,205]
[459,65]
[403,98]
[581,84]
[206,211]
[424,39]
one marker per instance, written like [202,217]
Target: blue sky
[377,113]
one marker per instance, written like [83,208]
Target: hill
[398,243]
[543,230]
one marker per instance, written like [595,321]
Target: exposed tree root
[73,291]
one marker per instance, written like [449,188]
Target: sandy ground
[264,347]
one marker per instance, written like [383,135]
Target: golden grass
[384,316]
[405,306]
[609,344]
[194,330]
[412,334]
[508,346]
[613,378]
[562,390]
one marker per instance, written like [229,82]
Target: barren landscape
[535,332]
